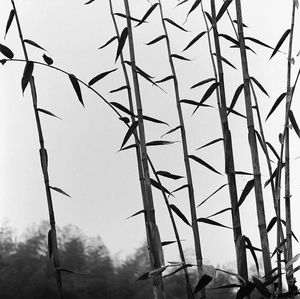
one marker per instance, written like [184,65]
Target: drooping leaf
[171,77]
[261,143]
[249,245]
[294,123]
[159,142]
[220,212]
[171,131]
[208,17]
[60,191]
[178,269]
[125,17]
[194,40]
[194,6]
[259,86]
[231,39]
[154,120]
[277,102]
[207,198]
[100,76]
[280,42]
[203,82]
[212,222]
[76,87]
[119,89]
[245,291]
[246,47]
[156,40]
[50,242]
[130,131]
[204,281]
[121,43]
[137,213]
[139,70]
[235,112]
[147,14]
[160,186]
[180,188]
[47,59]
[226,61]
[255,40]
[236,96]
[210,143]
[222,10]
[174,24]
[27,74]
[169,175]
[108,42]
[207,94]
[47,112]
[273,150]
[246,191]
[180,57]
[122,108]
[179,214]
[6,51]
[9,21]
[32,43]
[239,277]
[197,159]
[89,2]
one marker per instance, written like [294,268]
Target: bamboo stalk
[44,165]
[253,147]
[241,256]
[154,242]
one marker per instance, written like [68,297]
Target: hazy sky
[83,146]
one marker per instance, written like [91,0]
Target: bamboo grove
[276,278]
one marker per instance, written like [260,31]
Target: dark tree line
[26,271]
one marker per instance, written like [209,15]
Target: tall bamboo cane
[154,241]
[240,248]
[253,147]
[44,165]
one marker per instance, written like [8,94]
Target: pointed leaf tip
[122,41]
[9,21]
[76,87]
[204,281]
[6,51]
[27,74]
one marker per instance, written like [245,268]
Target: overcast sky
[83,146]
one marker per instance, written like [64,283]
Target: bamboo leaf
[108,42]
[203,281]
[152,274]
[122,108]
[137,213]
[194,6]
[76,87]
[171,77]
[292,261]
[32,43]
[160,186]
[249,244]
[159,142]
[222,10]
[235,112]
[231,39]
[179,214]
[203,82]
[166,243]
[246,191]
[246,47]
[47,59]
[259,86]
[129,147]
[242,173]
[211,222]
[174,24]
[27,74]
[273,150]
[100,76]
[69,271]
[156,40]
[294,123]
[147,14]
[239,277]
[194,40]
[236,96]
[122,41]
[228,286]
[125,17]
[60,191]
[179,57]
[277,102]
[235,21]
[126,120]
[47,112]
[200,161]
[89,2]
[9,21]
[139,70]
[50,243]
[154,120]
[226,61]
[178,269]
[190,102]
[210,143]
[261,143]
[207,198]
[130,131]
[171,131]
[169,175]
[182,2]
[6,51]
[280,42]
[271,224]
[258,42]
[180,188]
[220,212]
[119,89]
[245,291]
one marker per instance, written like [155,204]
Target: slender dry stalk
[153,233]
[241,256]
[52,238]
[253,147]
